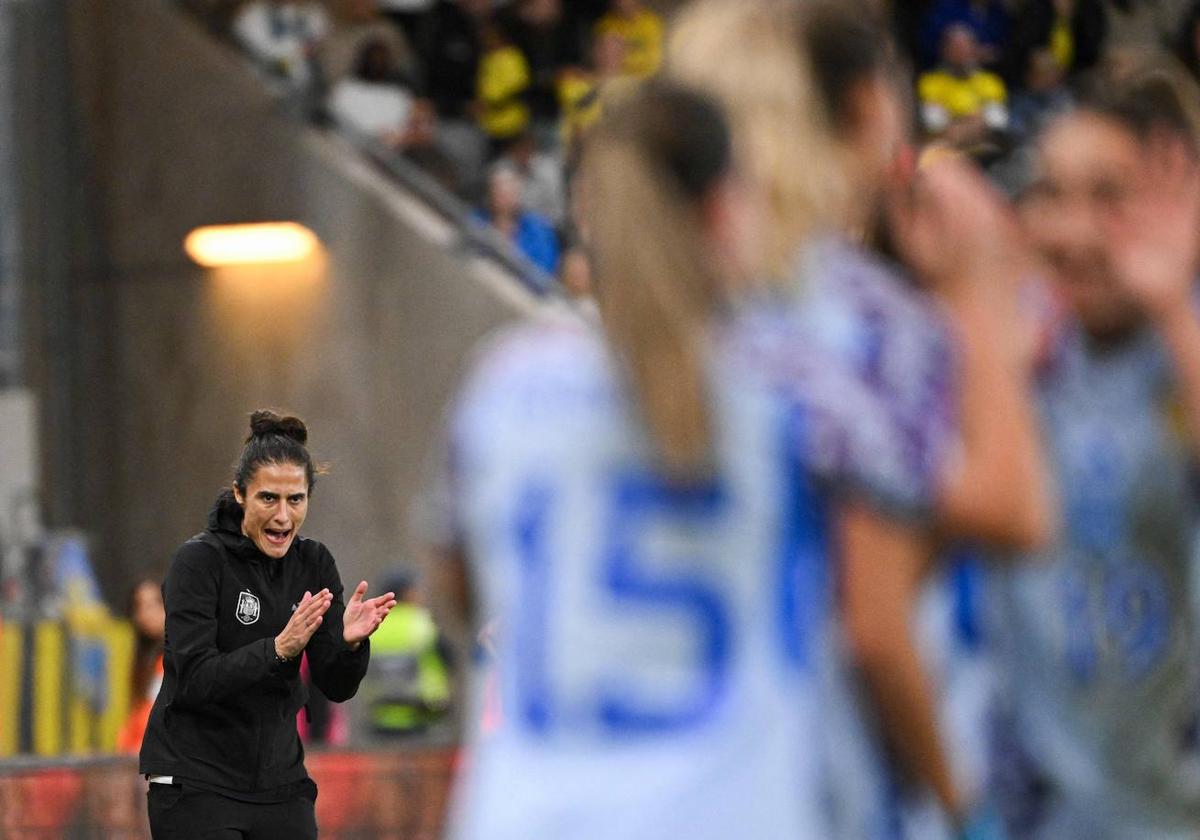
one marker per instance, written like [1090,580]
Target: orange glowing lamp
[260,243]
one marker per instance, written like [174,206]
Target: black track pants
[178,813]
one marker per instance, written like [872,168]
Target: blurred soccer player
[645,509]
[1101,645]
[948,368]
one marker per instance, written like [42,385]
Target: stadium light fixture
[250,244]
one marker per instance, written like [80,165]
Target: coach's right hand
[303,623]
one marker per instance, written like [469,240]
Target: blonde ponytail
[749,56]
[646,171]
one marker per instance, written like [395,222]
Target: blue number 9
[1125,611]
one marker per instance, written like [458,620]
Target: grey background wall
[167,359]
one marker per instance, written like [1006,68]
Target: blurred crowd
[1092,637]
[488,98]
[491,97]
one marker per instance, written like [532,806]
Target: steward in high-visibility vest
[408,687]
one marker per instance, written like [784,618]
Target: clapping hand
[363,616]
[303,623]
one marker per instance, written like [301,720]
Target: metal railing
[473,236]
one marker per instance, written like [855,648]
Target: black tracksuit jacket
[225,717]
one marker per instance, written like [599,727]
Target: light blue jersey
[1099,649]
[894,339]
[655,642]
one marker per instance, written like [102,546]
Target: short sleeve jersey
[1098,639]
[895,340]
[654,638]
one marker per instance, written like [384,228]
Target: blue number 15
[638,503]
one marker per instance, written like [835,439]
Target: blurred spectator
[986,19]
[530,233]
[356,23]
[544,192]
[321,722]
[540,30]
[1042,96]
[217,15]
[423,146]
[283,36]
[1187,40]
[406,15]
[1072,31]
[375,99]
[504,80]
[451,45]
[581,17]
[1144,23]
[408,688]
[961,102]
[582,94]
[641,31]
[149,619]
[905,20]
[376,102]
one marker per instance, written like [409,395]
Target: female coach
[244,599]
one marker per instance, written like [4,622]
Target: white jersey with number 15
[656,641]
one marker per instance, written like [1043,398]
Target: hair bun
[265,422]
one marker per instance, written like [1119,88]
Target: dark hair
[274,439]
[846,47]
[1146,93]
[147,649]
[685,133]
[367,63]
[1184,46]
[132,595]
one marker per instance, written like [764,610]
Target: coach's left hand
[363,617]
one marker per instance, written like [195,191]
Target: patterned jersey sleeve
[893,339]
[844,432]
[852,443]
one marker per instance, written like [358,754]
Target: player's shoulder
[770,343]
[558,340]
[863,309]
[531,363]
[841,428]
[766,340]
[836,271]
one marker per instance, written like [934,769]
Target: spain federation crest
[247,607]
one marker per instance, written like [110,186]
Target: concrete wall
[365,342]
